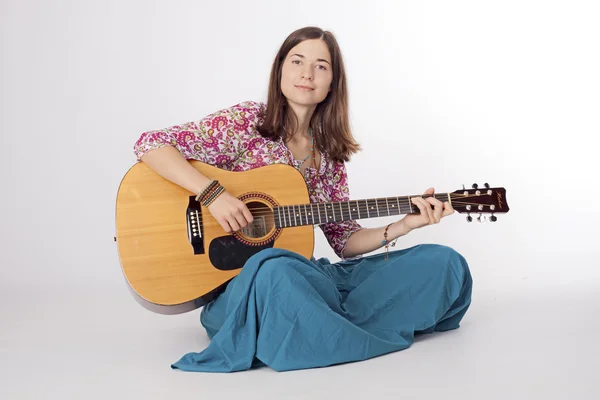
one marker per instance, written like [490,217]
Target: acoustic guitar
[176,257]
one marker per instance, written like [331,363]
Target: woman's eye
[321,67]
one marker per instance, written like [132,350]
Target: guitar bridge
[194,225]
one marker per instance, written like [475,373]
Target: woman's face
[306,73]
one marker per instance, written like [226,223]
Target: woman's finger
[448,209]
[426,210]
[438,209]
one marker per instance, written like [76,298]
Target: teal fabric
[288,312]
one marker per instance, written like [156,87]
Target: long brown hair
[330,122]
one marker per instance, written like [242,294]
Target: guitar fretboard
[322,213]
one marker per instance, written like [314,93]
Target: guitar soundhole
[263,223]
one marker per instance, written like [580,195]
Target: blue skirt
[288,312]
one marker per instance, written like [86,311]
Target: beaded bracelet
[208,194]
[207,189]
[213,196]
[386,242]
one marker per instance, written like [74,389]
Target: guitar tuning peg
[475,186]
[487,185]
[481,218]
[493,218]
[469,218]
[464,188]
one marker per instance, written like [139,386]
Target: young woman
[289,312]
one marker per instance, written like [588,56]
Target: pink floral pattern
[228,139]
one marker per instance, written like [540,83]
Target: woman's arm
[431,211]
[370,239]
[169,163]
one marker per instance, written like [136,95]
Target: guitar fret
[281,220]
[318,213]
[305,216]
[388,206]
[289,216]
[357,208]
[308,213]
[377,206]
[295,213]
[293,223]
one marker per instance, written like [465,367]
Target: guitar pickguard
[228,253]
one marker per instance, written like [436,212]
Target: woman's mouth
[304,88]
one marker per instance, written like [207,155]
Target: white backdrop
[441,93]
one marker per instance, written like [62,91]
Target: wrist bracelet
[386,242]
[213,196]
[212,184]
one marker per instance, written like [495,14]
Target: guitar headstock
[480,201]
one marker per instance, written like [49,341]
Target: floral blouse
[228,139]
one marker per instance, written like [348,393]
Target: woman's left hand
[427,215]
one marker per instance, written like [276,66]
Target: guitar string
[362,209]
[294,218]
[363,203]
[363,214]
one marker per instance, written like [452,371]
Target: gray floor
[520,344]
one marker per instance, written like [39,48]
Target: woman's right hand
[230,212]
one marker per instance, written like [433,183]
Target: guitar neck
[337,211]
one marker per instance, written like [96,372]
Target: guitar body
[175,256]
